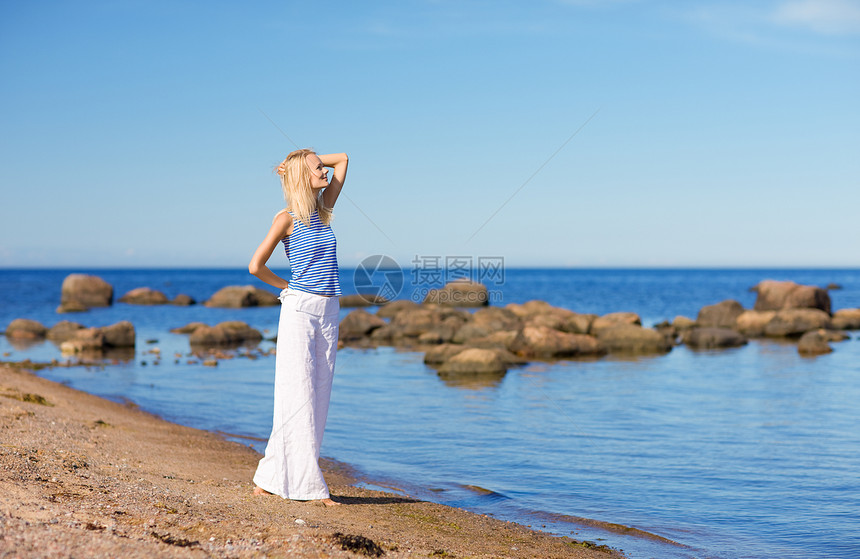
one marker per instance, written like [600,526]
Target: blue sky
[726,133]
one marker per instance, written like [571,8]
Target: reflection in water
[232,349]
[22,344]
[472,381]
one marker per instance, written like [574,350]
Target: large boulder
[814,343]
[63,330]
[753,323]
[232,332]
[779,295]
[81,291]
[614,319]
[681,323]
[25,329]
[358,324]
[240,296]
[459,293]
[120,334]
[547,343]
[633,339]
[713,338]
[720,315]
[144,296]
[414,322]
[846,319]
[474,361]
[794,322]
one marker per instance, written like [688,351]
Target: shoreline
[85,475]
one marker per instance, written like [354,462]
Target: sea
[751,452]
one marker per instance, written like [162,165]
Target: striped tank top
[312,252]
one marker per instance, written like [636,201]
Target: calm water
[751,452]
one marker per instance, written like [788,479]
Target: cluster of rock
[231,333]
[783,309]
[74,338]
[486,341]
[491,339]
[81,292]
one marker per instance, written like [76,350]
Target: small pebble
[300,522]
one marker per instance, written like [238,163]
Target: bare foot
[330,503]
[260,491]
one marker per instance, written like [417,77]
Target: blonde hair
[296,183]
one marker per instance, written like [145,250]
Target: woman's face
[319,174]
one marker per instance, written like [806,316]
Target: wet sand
[81,476]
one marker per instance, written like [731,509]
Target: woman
[308,326]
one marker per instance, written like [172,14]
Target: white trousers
[304,369]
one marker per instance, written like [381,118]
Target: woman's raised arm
[339,162]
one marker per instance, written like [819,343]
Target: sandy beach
[82,476]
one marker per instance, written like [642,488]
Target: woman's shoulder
[283,219]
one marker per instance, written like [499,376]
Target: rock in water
[632,339]
[63,330]
[713,338]
[614,319]
[144,296]
[752,323]
[442,353]
[814,343]
[232,332]
[475,361]
[25,329]
[120,334]
[794,322]
[779,295]
[239,296]
[720,315]
[81,291]
[394,307]
[546,343]
[358,324]
[846,319]
[183,300]
[85,340]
